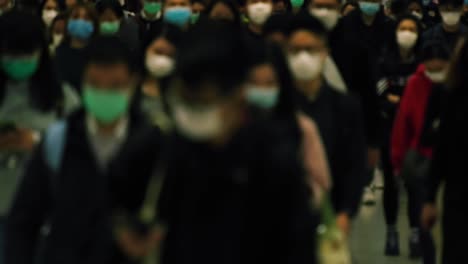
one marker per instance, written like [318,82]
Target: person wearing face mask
[82,26]
[270,94]
[160,54]
[177,12]
[113,22]
[399,62]
[258,12]
[50,9]
[448,165]
[150,16]
[338,116]
[56,32]
[103,155]
[246,185]
[357,71]
[30,100]
[450,29]
[407,131]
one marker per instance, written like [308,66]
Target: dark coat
[356,64]
[80,200]
[69,65]
[437,33]
[245,203]
[449,165]
[339,120]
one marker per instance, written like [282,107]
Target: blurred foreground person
[338,116]
[235,190]
[30,96]
[85,169]
[449,166]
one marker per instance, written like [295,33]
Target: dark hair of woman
[23,33]
[113,5]
[60,5]
[434,50]
[271,54]
[393,47]
[233,7]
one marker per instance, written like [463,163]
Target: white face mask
[406,39]
[328,17]
[199,125]
[48,16]
[451,18]
[305,66]
[57,39]
[436,77]
[159,65]
[259,12]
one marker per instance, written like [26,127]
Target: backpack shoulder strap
[54,144]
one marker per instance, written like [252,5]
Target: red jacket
[409,121]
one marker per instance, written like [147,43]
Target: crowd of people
[228,131]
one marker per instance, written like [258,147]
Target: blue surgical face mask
[263,97]
[369,8]
[178,16]
[80,28]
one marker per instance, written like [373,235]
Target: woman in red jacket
[408,128]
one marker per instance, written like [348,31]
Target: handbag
[333,246]
[415,169]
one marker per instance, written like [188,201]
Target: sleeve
[352,159]
[315,159]
[366,76]
[28,212]
[402,130]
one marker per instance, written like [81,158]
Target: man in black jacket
[354,59]
[234,190]
[451,29]
[97,163]
[338,116]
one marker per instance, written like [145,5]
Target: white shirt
[106,147]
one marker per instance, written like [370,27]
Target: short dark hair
[231,4]
[304,21]
[435,50]
[212,51]
[455,3]
[114,5]
[108,50]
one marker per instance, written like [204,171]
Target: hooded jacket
[410,119]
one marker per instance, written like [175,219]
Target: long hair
[457,80]
[21,33]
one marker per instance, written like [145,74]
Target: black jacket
[354,60]
[392,76]
[244,203]
[339,119]
[80,200]
[69,65]
[449,165]
[437,33]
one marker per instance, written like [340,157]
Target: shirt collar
[120,132]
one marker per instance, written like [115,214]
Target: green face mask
[109,28]
[105,106]
[152,7]
[297,3]
[20,68]
[194,18]
[263,98]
